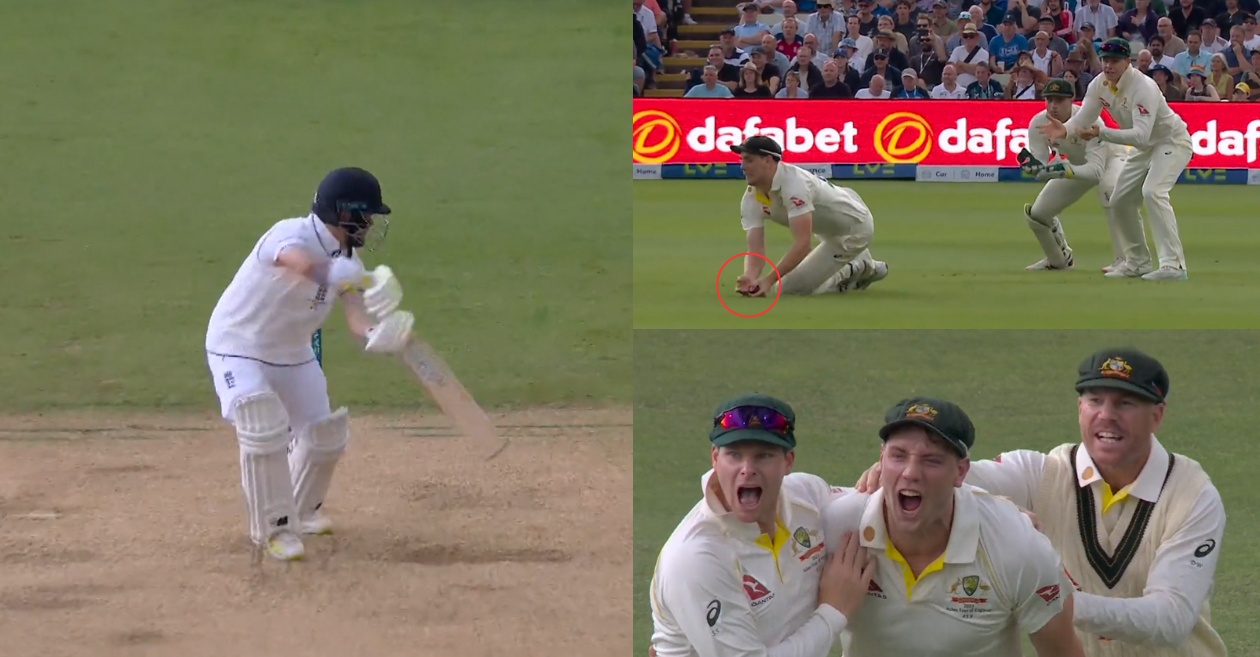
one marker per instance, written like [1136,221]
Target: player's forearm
[756,244]
[792,259]
[1138,136]
[1156,619]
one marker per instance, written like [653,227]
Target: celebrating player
[258,346]
[1161,149]
[960,571]
[1089,164]
[808,205]
[744,573]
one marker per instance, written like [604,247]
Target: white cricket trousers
[302,388]
[1147,179]
[831,254]
[1128,237]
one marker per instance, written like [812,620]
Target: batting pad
[314,458]
[262,429]
[1050,236]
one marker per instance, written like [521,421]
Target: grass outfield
[151,143]
[956,255]
[1016,386]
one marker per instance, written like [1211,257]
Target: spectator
[1199,89]
[648,20]
[1025,17]
[767,72]
[1078,90]
[1163,76]
[810,73]
[986,31]
[868,22]
[849,74]
[825,25]
[864,44]
[942,23]
[1219,77]
[709,87]
[1077,64]
[990,13]
[1140,22]
[1100,15]
[749,29]
[1160,7]
[1250,39]
[1044,59]
[876,90]
[1173,44]
[792,87]
[965,57]
[1089,36]
[1024,84]
[1194,56]
[789,40]
[770,46]
[811,42]
[960,39]
[1236,53]
[1006,47]
[1245,93]
[727,74]
[911,87]
[985,87]
[1143,62]
[925,37]
[789,11]
[929,64]
[887,41]
[898,39]
[1064,21]
[733,55]
[1233,15]
[831,86]
[640,79]
[1158,55]
[904,21]
[750,84]
[1186,17]
[949,89]
[1252,77]
[879,66]
[1057,44]
[1212,41]
[684,8]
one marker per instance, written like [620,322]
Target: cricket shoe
[876,271]
[285,546]
[1167,273]
[316,525]
[1044,264]
[1125,270]
[1114,263]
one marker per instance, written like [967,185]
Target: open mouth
[1108,437]
[749,496]
[909,500]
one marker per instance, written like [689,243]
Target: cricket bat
[450,395]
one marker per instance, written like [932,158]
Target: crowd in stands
[1196,50]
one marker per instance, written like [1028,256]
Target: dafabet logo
[657,137]
[903,138]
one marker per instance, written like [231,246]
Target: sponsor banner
[647,172]
[873,172]
[1193,176]
[926,132]
[920,173]
[691,171]
[936,174]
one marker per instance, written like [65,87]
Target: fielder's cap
[938,416]
[1124,369]
[755,430]
[1058,88]
[760,145]
[1243,87]
[350,188]
[1115,48]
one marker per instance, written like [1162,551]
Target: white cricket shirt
[268,313]
[998,580]
[1089,158]
[722,588]
[794,192]
[1138,107]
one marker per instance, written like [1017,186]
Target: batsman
[1070,170]
[259,350]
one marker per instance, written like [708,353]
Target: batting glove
[392,334]
[1028,162]
[1055,171]
[383,297]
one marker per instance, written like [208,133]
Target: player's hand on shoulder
[392,334]
[384,294]
[846,575]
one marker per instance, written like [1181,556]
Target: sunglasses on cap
[754,417]
[1113,49]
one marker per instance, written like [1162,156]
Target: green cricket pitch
[1017,386]
[956,257]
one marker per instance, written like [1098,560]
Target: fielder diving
[1161,149]
[1083,165]
[258,344]
[809,205]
